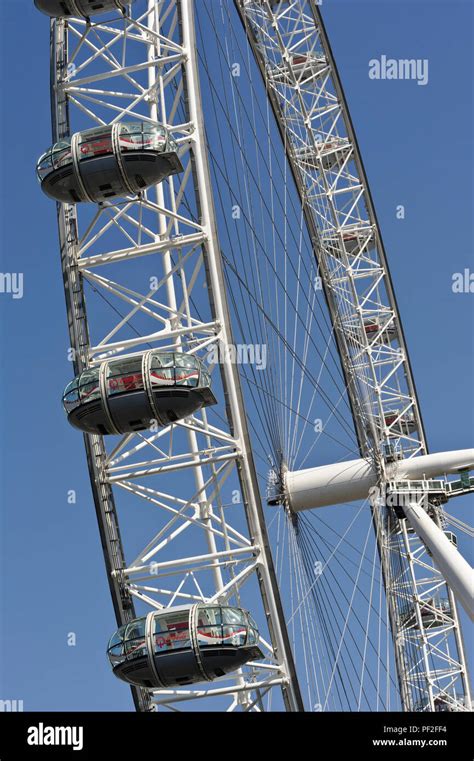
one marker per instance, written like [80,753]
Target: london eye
[240,370]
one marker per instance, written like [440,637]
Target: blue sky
[416,142]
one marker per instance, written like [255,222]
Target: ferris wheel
[273,526]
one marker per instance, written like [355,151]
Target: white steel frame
[93,84]
[92,79]
[294,56]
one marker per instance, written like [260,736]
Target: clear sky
[416,143]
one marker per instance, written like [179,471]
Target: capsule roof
[329,153]
[433,612]
[305,67]
[357,239]
[397,423]
[84,8]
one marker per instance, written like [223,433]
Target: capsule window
[124,376]
[162,371]
[235,626]
[209,627]
[253,635]
[97,142]
[187,370]
[115,649]
[155,138]
[71,396]
[162,359]
[187,360]
[131,136]
[61,154]
[89,388]
[62,158]
[171,631]
[134,639]
[45,165]
[233,616]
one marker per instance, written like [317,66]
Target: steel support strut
[234,400]
[293,53]
[104,501]
[168,57]
[455,569]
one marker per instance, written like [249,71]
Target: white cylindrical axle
[329,484]
[352,480]
[455,569]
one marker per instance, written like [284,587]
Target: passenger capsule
[357,241]
[85,8]
[105,162]
[129,394]
[183,645]
[304,67]
[433,613]
[275,5]
[331,153]
[400,424]
[397,425]
[381,329]
[447,702]
[377,329]
[272,3]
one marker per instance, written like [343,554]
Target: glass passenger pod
[128,394]
[441,704]
[84,8]
[184,645]
[394,426]
[106,162]
[355,241]
[330,153]
[400,424]
[434,612]
[272,3]
[382,329]
[444,703]
[305,67]
[275,5]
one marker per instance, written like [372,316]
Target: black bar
[303,735]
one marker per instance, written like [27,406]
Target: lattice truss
[148,269]
[142,265]
[292,50]
[300,80]
[427,623]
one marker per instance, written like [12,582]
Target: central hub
[275,495]
[276,486]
